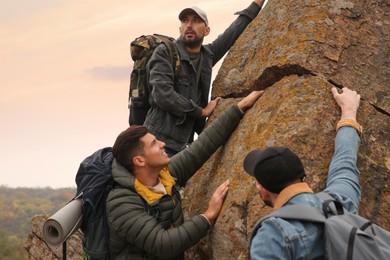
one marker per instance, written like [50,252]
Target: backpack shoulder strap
[298,212]
[293,212]
[325,196]
[304,213]
[307,213]
[331,205]
[175,55]
[173,51]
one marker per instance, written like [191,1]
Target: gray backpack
[347,235]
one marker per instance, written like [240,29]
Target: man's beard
[192,43]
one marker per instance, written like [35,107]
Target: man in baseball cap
[280,181]
[274,168]
[194,10]
[180,102]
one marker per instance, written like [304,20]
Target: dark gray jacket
[158,231]
[174,113]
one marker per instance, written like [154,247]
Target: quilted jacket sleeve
[184,164]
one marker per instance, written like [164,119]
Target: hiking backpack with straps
[346,235]
[141,50]
[94,181]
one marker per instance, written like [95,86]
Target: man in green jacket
[144,211]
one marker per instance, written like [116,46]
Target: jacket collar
[286,194]
[150,196]
[184,53]
[121,175]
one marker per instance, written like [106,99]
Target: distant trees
[17,207]
[11,247]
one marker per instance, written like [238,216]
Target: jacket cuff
[206,219]
[197,112]
[251,11]
[239,111]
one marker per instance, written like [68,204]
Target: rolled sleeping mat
[63,223]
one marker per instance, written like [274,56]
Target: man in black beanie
[280,180]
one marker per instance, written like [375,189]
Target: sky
[64,78]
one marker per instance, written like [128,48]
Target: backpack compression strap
[174,53]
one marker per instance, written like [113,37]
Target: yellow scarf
[150,196]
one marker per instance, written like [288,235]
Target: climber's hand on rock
[216,202]
[209,109]
[249,100]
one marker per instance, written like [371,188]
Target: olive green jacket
[146,225]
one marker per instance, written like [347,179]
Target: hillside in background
[17,207]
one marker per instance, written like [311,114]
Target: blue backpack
[94,182]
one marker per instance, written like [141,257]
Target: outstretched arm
[220,46]
[343,175]
[259,2]
[218,198]
[249,100]
[184,164]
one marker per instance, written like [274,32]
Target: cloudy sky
[64,75]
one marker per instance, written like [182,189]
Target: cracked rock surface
[297,51]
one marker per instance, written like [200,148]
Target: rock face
[38,249]
[297,51]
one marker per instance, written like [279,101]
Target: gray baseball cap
[202,14]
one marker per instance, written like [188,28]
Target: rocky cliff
[297,51]
[37,248]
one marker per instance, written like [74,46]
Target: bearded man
[180,105]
